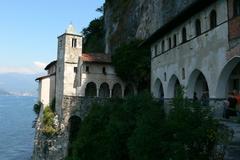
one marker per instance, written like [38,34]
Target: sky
[29,30]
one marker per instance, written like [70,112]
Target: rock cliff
[128,19]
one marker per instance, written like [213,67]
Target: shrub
[48,122]
[106,129]
[37,108]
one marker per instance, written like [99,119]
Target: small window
[183,73]
[169,43]
[163,46]
[60,44]
[104,70]
[184,35]
[165,76]
[155,50]
[75,69]
[198,27]
[87,69]
[213,19]
[74,43]
[174,40]
[236,5]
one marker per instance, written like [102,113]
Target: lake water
[16,132]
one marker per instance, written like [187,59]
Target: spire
[71,29]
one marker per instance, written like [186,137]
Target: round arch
[173,84]
[129,90]
[74,126]
[197,83]
[222,87]
[117,91]
[104,91]
[158,89]
[91,90]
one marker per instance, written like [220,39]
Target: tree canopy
[132,64]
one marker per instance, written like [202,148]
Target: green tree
[132,64]
[94,36]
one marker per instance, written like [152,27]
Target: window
[60,44]
[213,19]
[75,69]
[236,5]
[169,43]
[87,69]
[183,73]
[155,50]
[198,27]
[74,43]
[163,46]
[184,35]
[104,70]
[165,76]
[174,40]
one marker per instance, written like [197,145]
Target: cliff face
[128,19]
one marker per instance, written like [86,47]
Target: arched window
[129,90]
[117,91]
[104,91]
[184,35]
[198,27]
[163,46]
[213,19]
[155,50]
[169,43]
[104,70]
[91,90]
[174,40]
[236,5]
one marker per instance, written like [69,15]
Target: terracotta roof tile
[96,57]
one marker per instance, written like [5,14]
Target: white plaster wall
[52,88]
[44,90]
[205,53]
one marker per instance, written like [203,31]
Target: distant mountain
[4,93]
[18,84]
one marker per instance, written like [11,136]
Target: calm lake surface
[16,132]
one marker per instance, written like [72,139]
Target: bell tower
[68,53]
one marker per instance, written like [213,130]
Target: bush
[106,129]
[37,108]
[48,122]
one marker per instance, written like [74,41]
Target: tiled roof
[96,57]
[50,64]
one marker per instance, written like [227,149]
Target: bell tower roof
[72,30]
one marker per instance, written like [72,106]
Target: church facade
[78,74]
[199,50]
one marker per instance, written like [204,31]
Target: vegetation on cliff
[138,129]
[132,64]
[49,127]
[37,108]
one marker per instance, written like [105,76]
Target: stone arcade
[200,50]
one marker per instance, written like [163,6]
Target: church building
[78,74]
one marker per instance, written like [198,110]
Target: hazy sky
[29,30]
